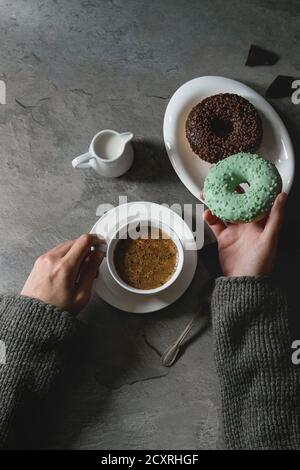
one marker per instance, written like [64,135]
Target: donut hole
[221,127]
[242,187]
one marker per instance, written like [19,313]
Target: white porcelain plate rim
[276,145]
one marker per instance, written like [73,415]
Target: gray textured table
[75,67]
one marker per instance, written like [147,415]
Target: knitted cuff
[28,319]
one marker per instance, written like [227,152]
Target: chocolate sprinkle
[281,87]
[259,56]
[222,125]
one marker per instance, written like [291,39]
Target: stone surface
[75,67]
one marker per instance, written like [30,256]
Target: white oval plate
[110,291]
[276,145]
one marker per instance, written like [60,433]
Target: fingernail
[99,237]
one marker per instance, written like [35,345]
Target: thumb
[88,272]
[275,219]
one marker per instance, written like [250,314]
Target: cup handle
[83,161]
[102,248]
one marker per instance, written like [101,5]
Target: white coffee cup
[110,154]
[130,229]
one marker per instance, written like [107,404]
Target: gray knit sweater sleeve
[260,386]
[36,338]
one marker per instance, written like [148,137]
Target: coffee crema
[146,263]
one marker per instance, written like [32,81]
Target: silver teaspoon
[169,356]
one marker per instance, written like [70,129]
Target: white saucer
[107,288]
[276,145]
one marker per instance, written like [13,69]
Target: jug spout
[127,136]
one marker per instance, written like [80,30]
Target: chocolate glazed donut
[222,125]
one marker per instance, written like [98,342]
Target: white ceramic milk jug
[110,154]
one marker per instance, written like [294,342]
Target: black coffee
[146,263]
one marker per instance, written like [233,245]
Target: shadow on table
[151,163]
[288,265]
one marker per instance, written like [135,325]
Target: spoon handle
[186,330]
[169,356]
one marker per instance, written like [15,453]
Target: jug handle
[83,161]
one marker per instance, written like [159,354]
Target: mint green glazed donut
[224,177]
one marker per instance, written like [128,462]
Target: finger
[88,272]
[81,248]
[215,224]
[239,190]
[62,249]
[261,223]
[275,219]
[202,196]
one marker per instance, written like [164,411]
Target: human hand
[64,275]
[249,249]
